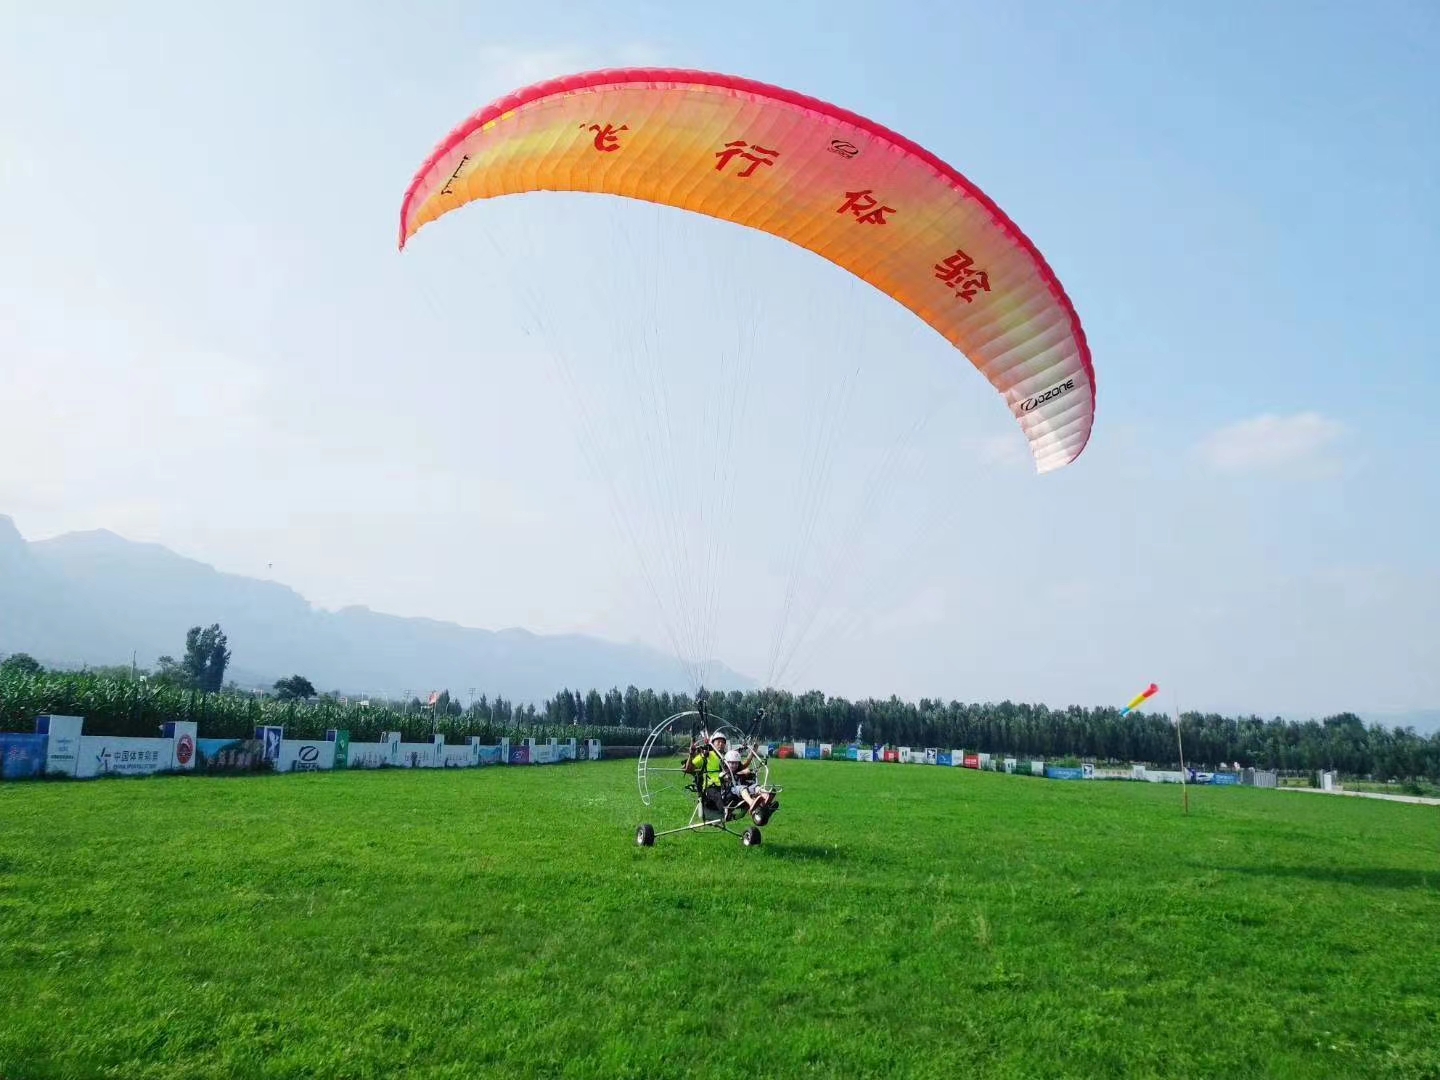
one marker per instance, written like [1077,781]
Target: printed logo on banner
[104,756]
[63,749]
[272,743]
[184,750]
[22,757]
[304,757]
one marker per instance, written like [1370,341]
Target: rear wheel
[645,836]
[751,837]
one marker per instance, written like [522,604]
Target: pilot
[710,759]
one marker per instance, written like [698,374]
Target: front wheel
[645,836]
[751,837]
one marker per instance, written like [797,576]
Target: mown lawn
[897,921]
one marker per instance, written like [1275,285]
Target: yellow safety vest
[713,764]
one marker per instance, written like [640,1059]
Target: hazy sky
[209,340]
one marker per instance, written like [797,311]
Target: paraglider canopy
[844,187]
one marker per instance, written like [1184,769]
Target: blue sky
[217,347]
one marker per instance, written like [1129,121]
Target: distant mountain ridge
[96,598]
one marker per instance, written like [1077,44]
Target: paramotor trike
[701,778]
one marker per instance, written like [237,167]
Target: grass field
[898,921]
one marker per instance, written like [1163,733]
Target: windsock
[1140,698]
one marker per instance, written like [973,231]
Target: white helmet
[732,757]
[719,736]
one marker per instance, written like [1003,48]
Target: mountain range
[96,598]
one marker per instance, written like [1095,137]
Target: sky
[210,341]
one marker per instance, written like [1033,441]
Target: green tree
[295,688]
[170,672]
[21,664]
[206,657]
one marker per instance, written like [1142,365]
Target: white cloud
[1270,443]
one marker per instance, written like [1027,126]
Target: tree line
[1342,741]
[125,701]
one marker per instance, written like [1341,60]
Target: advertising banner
[490,755]
[827,751]
[22,757]
[305,755]
[1057,772]
[932,756]
[1162,776]
[102,755]
[459,757]
[520,755]
[228,755]
[943,758]
[62,754]
[270,738]
[812,753]
[370,755]
[417,755]
[1228,779]
[341,739]
[972,761]
[184,733]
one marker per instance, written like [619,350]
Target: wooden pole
[1179,742]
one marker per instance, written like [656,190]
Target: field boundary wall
[59,748]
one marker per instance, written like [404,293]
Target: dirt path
[1421,799]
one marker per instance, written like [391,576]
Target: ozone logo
[1049,395]
[843,148]
[309,754]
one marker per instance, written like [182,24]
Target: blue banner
[228,755]
[812,753]
[1225,778]
[943,758]
[22,757]
[1056,772]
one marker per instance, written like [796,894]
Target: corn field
[122,707]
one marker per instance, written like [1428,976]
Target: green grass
[898,921]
